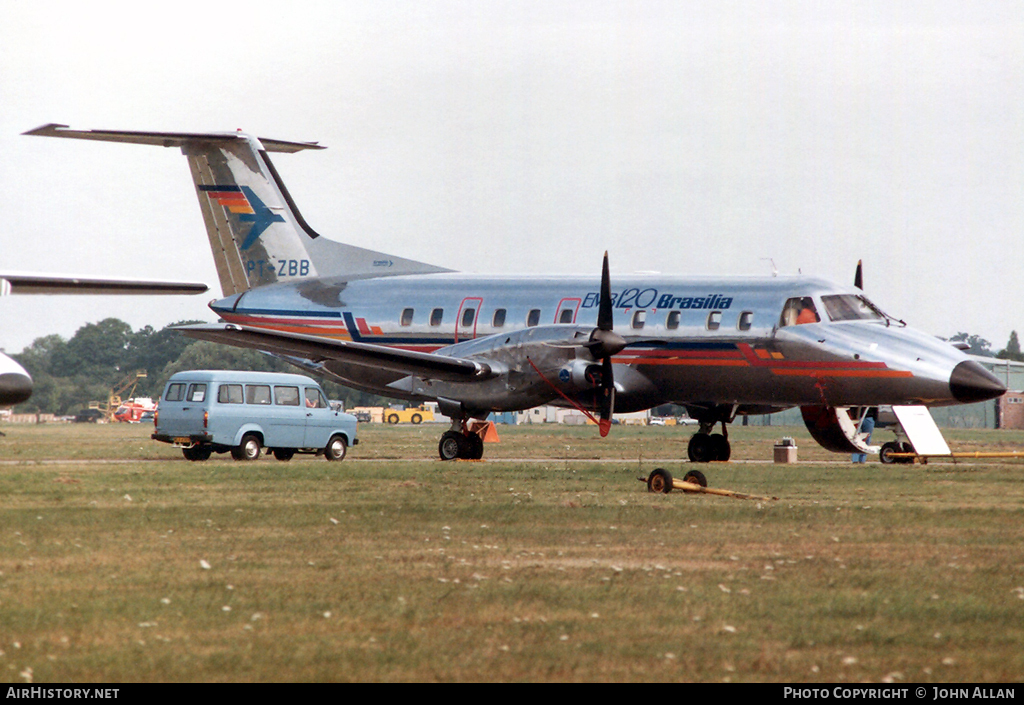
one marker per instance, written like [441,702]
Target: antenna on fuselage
[775,270]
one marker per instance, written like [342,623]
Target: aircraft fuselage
[698,340]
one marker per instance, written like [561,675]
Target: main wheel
[720,448]
[474,446]
[336,448]
[248,449]
[660,480]
[451,445]
[700,448]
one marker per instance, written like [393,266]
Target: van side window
[533,318]
[175,392]
[287,396]
[314,399]
[230,394]
[196,392]
[406,316]
[257,394]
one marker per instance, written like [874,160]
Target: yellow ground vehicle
[415,415]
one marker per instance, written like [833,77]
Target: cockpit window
[850,307]
[798,311]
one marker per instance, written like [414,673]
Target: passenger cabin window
[714,320]
[230,394]
[196,392]
[467,317]
[314,399]
[436,316]
[850,307]
[798,311]
[257,394]
[672,322]
[533,318]
[746,320]
[406,319]
[565,316]
[286,396]
[639,319]
[498,320]
[175,392]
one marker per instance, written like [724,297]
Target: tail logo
[241,201]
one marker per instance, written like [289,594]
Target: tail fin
[257,234]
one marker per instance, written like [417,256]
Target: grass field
[549,561]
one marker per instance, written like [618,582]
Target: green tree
[976,345]
[1012,350]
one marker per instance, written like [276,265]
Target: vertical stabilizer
[256,232]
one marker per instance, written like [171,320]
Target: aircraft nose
[14,387]
[970,382]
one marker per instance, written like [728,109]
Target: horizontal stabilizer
[45,284]
[318,349]
[164,139]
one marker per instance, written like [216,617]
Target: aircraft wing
[11,283]
[406,362]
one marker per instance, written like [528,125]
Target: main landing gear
[706,447]
[461,443]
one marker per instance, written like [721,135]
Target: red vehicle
[131,411]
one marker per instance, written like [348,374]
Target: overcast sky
[530,137]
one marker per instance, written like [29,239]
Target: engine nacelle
[581,374]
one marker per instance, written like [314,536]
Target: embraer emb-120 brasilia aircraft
[721,347]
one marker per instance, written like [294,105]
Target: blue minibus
[219,411]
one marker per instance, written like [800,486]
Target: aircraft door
[465,324]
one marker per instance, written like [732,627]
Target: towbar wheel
[660,480]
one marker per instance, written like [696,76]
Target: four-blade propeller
[604,342]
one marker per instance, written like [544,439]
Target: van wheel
[283,453]
[196,453]
[336,448]
[249,448]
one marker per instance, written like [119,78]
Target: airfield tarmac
[547,561]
